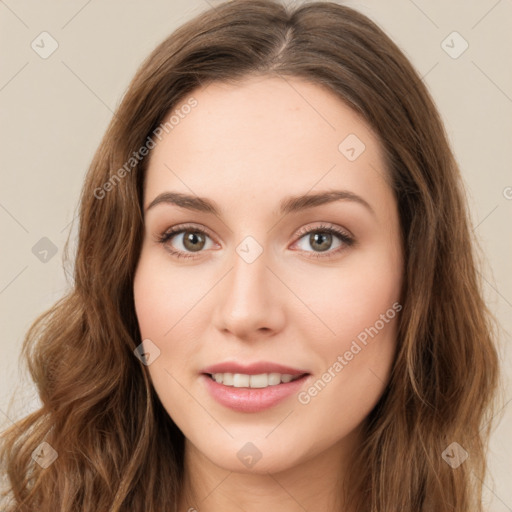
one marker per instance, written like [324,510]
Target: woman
[276,301]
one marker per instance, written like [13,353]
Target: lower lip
[251,399]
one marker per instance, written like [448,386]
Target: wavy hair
[115,442]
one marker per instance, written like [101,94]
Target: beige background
[55,111]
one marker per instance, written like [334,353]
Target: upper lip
[252,368]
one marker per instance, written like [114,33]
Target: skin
[246,147]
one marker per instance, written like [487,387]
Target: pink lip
[252,369]
[251,399]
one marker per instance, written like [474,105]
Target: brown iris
[325,238]
[193,240]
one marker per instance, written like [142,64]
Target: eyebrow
[289,204]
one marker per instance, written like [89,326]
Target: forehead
[268,137]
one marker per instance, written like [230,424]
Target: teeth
[274,379]
[263,380]
[240,380]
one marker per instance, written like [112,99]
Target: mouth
[252,393]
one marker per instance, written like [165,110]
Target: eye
[194,239]
[320,238]
[191,238]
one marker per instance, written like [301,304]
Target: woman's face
[254,293]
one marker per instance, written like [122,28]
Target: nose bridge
[250,274]
[247,300]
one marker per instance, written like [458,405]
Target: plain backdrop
[55,109]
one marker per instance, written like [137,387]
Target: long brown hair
[118,449]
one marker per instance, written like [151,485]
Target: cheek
[348,300]
[164,305]
[165,302]
[354,364]
[163,297]
[358,305]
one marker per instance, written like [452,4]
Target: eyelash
[342,235]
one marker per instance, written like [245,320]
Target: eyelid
[325,226]
[179,228]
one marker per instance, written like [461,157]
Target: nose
[249,300]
